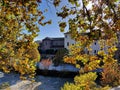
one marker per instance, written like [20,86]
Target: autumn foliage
[89,21]
[111,75]
[87,24]
[19,21]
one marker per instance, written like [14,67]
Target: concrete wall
[52,43]
[46,44]
[95,47]
[58,43]
[68,41]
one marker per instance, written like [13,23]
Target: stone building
[49,46]
[52,43]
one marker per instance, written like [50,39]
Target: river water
[42,82]
[52,83]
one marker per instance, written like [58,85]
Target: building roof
[67,33]
[38,41]
[47,38]
[54,39]
[57,38]
[57,46]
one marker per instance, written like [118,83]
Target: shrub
[49,51]
[4,86]
[111,75]
[84,82]
[59,56]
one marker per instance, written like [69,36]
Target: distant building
[38,42]
[52,43]
[68,40]
[95,47]
[49,46]
[117,54]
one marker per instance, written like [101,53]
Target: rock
[116,88]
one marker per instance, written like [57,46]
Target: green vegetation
[58,59]
[4,86]
[84,82]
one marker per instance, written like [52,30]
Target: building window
[66,36]
[67,43]
[95,43]
[95,51]
[56,43]
[87,52]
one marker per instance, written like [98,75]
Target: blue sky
[51,30]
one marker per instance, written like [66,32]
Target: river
[42,82]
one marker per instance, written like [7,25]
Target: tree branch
[87,13]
